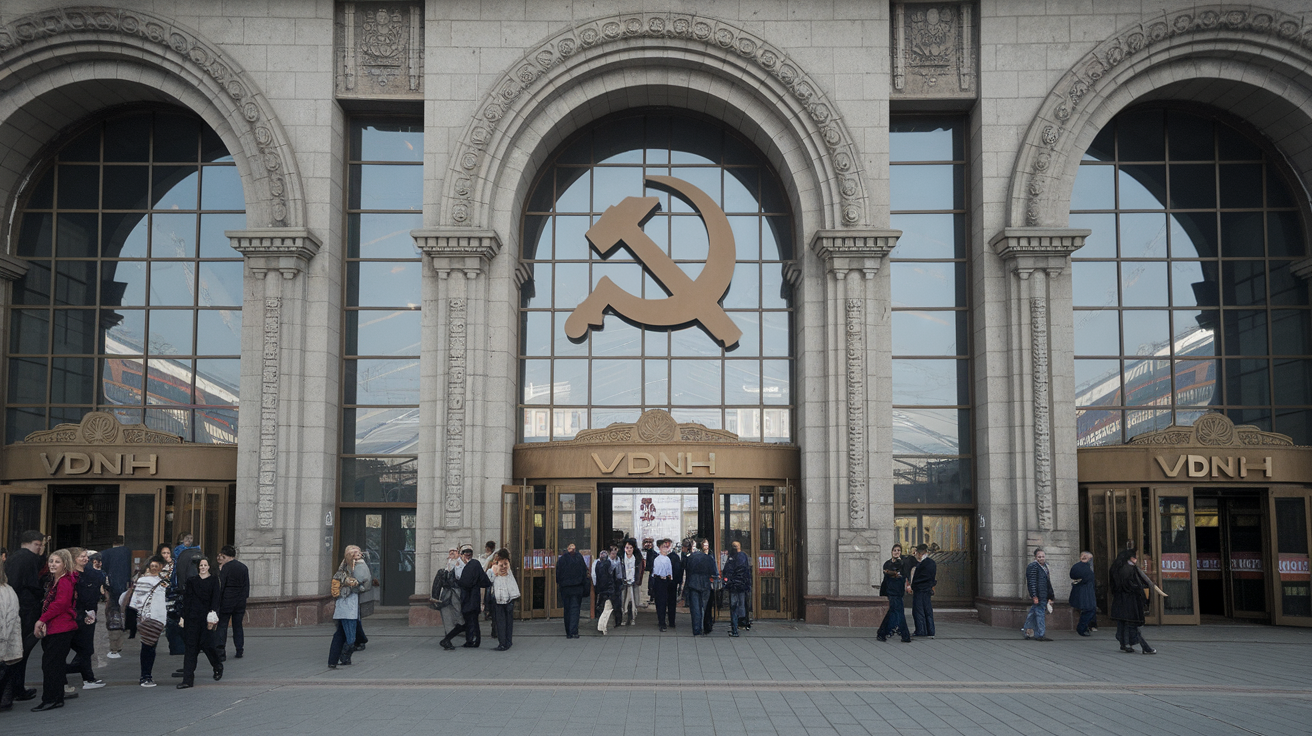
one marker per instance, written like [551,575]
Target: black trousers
[54,653]
[7,684]
[469,627]
[503,620]
[665,594]
[197,638]
[360,638]
[238,635]
[1128,635]
[84,646]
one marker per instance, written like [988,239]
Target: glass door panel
[533,540]
[569,510]
[24,509]
[139,524]
[1292,581]
[948,536]
[769,555]
[1171,566]
[1244,567]
[1115,522]
[204,512]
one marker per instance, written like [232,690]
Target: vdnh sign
[689,300]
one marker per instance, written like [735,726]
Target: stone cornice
[11,268]
[853,250]
[464,250]
[1027,249]
[287,250]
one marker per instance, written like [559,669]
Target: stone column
[860,488]
[455,315]
[1041,371]
[283,520]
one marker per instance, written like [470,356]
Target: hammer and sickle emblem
[689,300]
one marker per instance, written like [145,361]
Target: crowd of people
[60,599]
[1131,594]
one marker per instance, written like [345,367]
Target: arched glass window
[1184,298]
[132,298]
[614,373]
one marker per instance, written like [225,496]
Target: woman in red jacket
[56,628]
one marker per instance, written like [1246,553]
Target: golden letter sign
[689,300]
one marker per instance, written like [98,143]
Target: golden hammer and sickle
[688,300]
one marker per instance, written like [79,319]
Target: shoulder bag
[148,629]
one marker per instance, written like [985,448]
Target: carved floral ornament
[1213,430]
[653,426]
[101,428]
[1072,99]
[472,164]
[246,107]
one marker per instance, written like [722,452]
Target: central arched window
[1185,298]
[132,298]
[614,373]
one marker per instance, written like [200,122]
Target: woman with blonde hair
[89,588]
[504,592]
[11,640]
[349,586]
[56,628]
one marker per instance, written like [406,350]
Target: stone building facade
[828,98]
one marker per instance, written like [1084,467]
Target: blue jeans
[147,661]
[1086,620]
[572,605]
[343,639]
[897,618]
[1037,618]
[737,608]
[922,612]
[697,607]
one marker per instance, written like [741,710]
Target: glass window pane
[74,332]
[570,382]
[386,284]
[75,283]
[695,382]
[1097,332]
[929,333]
[1245,332]
[1095,428]
[72,380]
[1241,185]
[1097,382]
[1291,332]
[614,183]
[1142,187]
[173,236]
[1101,243]
[1147,382]
[221,188]
[176,137]
[932,187]
[917,284]
[1241,235]
[75,236]
[371,235]
[126,187]
[172,284]
[1143,284]
[927,382]
[381,381]
[1193,235]
[1147,332]
[1093,284]
[1196,382]
[775,380]
[932,480]
[1094,188]
[1247,382]
[171,331]
[379,479]
[573,190]
[123,235]
[1243,283]
[931,236]
[1194,283]
[1143,235]
[742,382]
[656,382]
[220,284]
[381,431]
[1293,382]
[1140,135]
[27,380]
[572,285]
[213,242]
[1193,186]
[931,431]
[387,187]
[169,381]
[615,382]
[923,141]
[536,382]
[1190,137]
[29,331]
[1195,332]
[125,331]
[79,187]
[218,332]
[174,187]
[387,141]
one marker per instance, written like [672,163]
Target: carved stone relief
[934,50]
[456,343]
[856,413]
[1042,411]
[380,50]
[269,373]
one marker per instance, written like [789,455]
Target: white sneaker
[92,684]
[114,655]
[148,682]
[69,689]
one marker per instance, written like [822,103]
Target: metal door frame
[8,492]
[1275,592]
[1157,614]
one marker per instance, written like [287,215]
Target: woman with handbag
[505,591]
[200,616]
[152,613]
[347,610]
[1129,599]
[56,628]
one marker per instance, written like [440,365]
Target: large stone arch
[62,65]
[1252,61]
[635,60]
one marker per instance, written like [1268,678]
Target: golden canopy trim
[1213,430]
[654,426]
[101,428]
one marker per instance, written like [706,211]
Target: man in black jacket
[235,588]
[697,572]
[649,553]
[738,581]
[23,568]
[606,584]
[572,580]
[923,581]
[472,581]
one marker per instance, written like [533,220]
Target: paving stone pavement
[781,678]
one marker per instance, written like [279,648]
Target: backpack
[443,590]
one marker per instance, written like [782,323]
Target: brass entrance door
[760,519]
[1168,555]
[205,512]
[1234,567]
[1115,521]
[553,517]
[1291,582]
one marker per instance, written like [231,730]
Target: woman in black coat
[201,598]
[1128,601]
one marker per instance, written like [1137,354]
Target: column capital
[1027,249]
[12,268]
[287,250]
[854,249]
[463,250]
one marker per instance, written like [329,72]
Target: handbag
[113,616]
[149,629]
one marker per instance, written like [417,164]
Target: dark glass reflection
[1224,272]
[116,323]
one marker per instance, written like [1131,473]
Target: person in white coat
[505,591]
[148,600]
[11,640]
